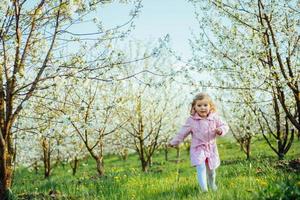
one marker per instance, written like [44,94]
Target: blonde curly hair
[202,96]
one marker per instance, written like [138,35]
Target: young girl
[204,125]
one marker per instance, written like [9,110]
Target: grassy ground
[237,178]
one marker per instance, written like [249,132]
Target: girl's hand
[218,131]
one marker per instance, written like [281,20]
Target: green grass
[236,177]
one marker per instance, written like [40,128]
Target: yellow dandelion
[133,196]
[261,182]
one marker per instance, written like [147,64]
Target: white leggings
[202,170]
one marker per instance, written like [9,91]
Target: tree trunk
[46,157]
[281,156]
[100,166]
[248,149]
[241,142]
[74,167]
[36,167]
[124,154]
[150,161]
[6,162]
[145,165]
[5,172]
[166,153]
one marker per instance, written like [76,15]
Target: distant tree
[95,117]
[276,131]
[243,128]
[151,105]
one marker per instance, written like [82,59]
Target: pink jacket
[203,145]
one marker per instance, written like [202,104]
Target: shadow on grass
[288,165]
[233,162]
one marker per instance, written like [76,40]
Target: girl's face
[202,107]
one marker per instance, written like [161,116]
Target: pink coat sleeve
[183,133]
[223,125]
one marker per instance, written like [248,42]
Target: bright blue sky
[156,19]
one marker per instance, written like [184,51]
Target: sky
[156,19]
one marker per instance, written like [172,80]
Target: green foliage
[236,178]
[285,190]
